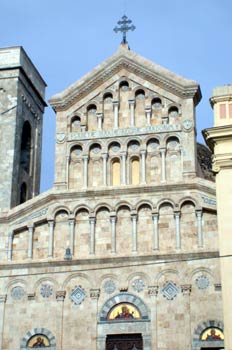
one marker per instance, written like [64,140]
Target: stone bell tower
[21,115]
[219,139]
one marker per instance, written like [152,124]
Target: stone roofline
[124,58]
[16,58]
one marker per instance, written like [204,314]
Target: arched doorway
[124,324]
[209,336]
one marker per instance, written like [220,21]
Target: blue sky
[66,39]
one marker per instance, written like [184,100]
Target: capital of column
[3,298]
[60,295]
[177,214]
[153,291]
[116,103]
[92,219]
[71,221]
[186,289]
[198,213]
[94,293]
[85,157]
[51,222]
[143,152]
[99,115]
[134,216]
[31,296]
[147,109]
[113,219]
[155,216]
[162,150]
[104,155]
[31,227]
[123,154]
[131,102]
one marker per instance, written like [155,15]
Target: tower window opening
[25,156]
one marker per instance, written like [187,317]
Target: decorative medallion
[109,286]
[96,149]
[17,293]
[134,146]
[46,290]
[138,285]
[78,295]
[187,124]
[60,137]
[115,147]
[202,282]
[170,290]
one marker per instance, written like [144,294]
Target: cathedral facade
[122,253]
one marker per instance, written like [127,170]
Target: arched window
[23,193]
[140,94]
[108,97]
[173,111]
[75,123]
[156,103]
[25,156]
[124,86]
[135,178]
[116,172]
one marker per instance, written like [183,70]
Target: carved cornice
[133,63]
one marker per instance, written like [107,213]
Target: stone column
[51,238]
[104,173]
[143,166]
[72,232]
[134,232]
[155,218]
[177,223]
[153,293]
[123,168]
[60,296]
[113,220]
[199,228]
[163,165]
[186,291]
[30,241]
[148,115]
[132,112]
[115,106]
[10,245]
[99,121]
[92,221]
[2,316]
[94,295]
[85,177]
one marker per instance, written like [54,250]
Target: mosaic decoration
[212,334]
[170,290]
[134,146]
[153,144]
[138,285]
[96,149]
[17,293]
[38,341]
[46,290]
[202,282]
[115,147]
[78,295]
[77,150]
[124,312]
[109,287]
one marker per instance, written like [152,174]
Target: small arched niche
[124,85]
[95,149]
[153,145]
[107,98]
[75,152]
[156,103]
[75,123]
[173,111]
[114,147]
[140,95]
[133,146]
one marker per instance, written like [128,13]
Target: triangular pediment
[134,63]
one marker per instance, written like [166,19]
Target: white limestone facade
[122,253]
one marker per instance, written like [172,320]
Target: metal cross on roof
[124,27]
